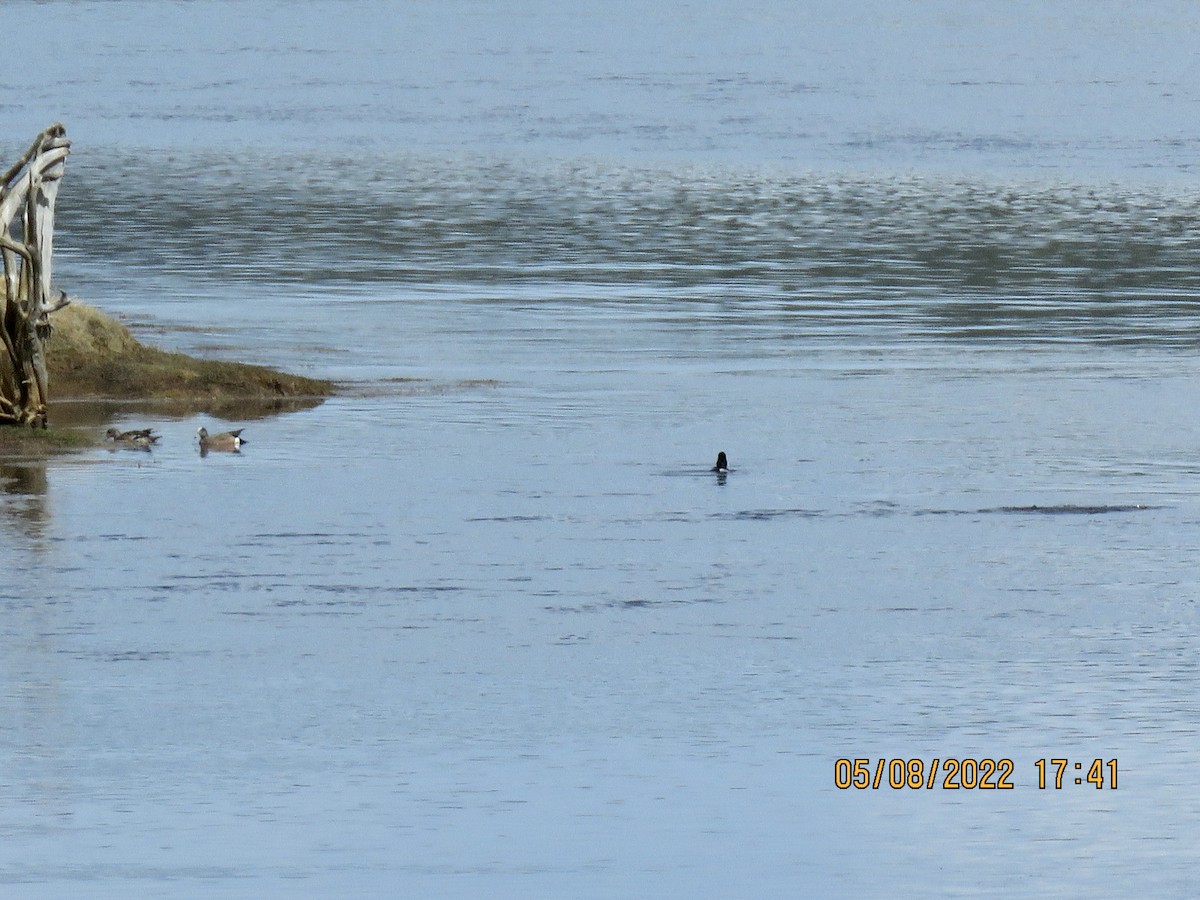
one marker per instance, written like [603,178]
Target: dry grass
[92,356]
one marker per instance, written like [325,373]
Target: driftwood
[27,194]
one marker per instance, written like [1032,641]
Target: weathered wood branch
[28,192]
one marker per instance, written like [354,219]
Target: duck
[226,441]
[137,438]
[722,466]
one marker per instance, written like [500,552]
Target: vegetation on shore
[94,357]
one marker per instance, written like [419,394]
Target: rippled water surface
[484,623]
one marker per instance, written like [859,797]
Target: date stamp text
[955,774]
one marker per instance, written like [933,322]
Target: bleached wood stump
[27,194]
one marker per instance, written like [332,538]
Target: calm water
[484,624]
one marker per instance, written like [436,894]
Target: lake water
[484,624]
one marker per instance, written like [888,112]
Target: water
[483,623]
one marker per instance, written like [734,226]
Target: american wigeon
[226,441]
[137,439]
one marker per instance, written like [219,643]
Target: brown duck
[225,442]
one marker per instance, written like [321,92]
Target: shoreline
[96,364]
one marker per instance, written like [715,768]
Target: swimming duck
[722,465]
[226,441]
[137,438]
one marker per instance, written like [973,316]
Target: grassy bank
[94,357]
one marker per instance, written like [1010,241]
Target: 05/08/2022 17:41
[958,773]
